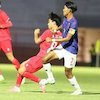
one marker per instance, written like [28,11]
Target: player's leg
[23,73]
[73,81]
[49,56]
[19,79]
[14,61]
[55,54]
[69,63]
[35,62]
[26,70]
[47,66]
[28,67]
[36,79]
[28,73]
[7,48]
[1,76]
[48,70]
[16,88]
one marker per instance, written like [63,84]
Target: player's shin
[19,80]
[16,88]
[16,63]
[31,77]
[36,79]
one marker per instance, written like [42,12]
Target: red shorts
[34,64]
[6,46]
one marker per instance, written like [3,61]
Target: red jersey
[44,48]
[47,46]
[4,32]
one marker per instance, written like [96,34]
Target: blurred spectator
[97,53]
[93,55]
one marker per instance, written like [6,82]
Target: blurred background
[26,15]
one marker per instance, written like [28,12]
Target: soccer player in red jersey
[32,65]
[5,39]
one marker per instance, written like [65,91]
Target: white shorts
[69,58]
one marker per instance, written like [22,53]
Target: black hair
[71,5]
[55,18]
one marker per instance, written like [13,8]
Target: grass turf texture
[88,78]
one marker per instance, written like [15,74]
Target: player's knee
[21,70]
[44,60]
[10,56]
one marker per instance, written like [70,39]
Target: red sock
[31,77]
[19,80]
[16,63]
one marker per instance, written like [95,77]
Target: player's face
[66,10]
[51,24]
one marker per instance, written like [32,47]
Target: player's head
[54,20]
[69,7]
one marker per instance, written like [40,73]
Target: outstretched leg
[47,66]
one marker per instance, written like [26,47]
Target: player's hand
[37,31]
[48,39]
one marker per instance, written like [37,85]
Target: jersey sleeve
[73,25]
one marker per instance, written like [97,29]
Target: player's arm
[71,32]
[7,24]
[37,38]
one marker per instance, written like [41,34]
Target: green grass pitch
[88,78]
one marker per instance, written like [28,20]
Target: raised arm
[36,36]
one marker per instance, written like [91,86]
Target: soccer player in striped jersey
[33,64]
